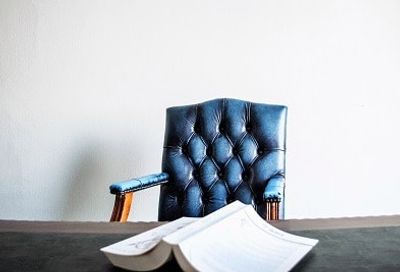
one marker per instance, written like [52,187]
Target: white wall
[84,86]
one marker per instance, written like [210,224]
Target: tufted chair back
[220,151]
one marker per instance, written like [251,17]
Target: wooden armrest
[124,193]
[272,209]
[122,207]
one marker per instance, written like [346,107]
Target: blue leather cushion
[220,151]
[137,184]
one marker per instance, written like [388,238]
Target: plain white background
[84,86]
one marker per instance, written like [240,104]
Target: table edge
[137,227]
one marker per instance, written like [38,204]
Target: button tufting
[209,151]
[212,154]
[248,127]
[179,200]
[195,174]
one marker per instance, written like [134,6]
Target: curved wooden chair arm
[123,203]
[123,191]
[272,210]
[122,207]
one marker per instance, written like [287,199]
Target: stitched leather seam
[266,150]
[225,181]
[248,112]
[212,185]
[187,185]
[237,187]
[204,141]
[190,137]
[142,187]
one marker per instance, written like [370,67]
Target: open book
[233,238]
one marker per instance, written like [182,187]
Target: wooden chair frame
[123,203]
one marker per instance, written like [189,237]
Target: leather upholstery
[220,151]
[137,184]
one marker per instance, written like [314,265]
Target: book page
[242,241]
[204,223]
[144,242]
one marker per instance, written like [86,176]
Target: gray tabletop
[349,244]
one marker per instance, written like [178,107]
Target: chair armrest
[274,189]
[273,196]
[124,193]
[137,184]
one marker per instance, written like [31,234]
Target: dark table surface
[345,244]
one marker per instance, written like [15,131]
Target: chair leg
[122,207]
[272,210]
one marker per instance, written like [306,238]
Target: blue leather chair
[216,152]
